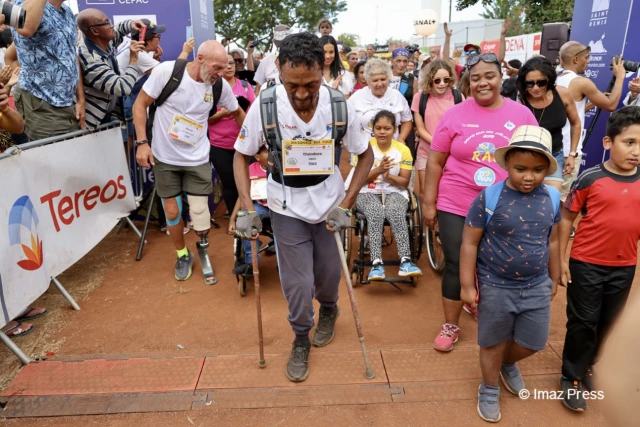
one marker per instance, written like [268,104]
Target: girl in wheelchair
[258,177]
[386,196]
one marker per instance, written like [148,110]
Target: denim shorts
[519,313]
[559,156]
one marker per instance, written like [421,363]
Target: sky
[394,18]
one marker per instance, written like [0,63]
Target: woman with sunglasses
[223,132]
[437,82]
[551,105]
[460,165]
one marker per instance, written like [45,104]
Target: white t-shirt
[345,84]
[145,63]
[192,100]
[267,70]
[310,204]
[367,106]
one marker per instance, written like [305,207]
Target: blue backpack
[492,194]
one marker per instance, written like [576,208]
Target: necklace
[543,110]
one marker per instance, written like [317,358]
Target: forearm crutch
[256,281]
[368,371]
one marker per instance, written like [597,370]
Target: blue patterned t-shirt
[514,250]
[48,57]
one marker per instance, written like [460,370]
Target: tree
[505,9]
[536,12]
[241,21]
[348,39]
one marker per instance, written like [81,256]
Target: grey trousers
[309,265]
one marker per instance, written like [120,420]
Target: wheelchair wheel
[418,228]
[434,249]
[242,287]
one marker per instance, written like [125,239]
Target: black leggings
[451,227]
[222,161]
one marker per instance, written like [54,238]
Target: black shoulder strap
[171,86]
[424,97]
[339,115]
[217,92]
[457,96]
[173,83]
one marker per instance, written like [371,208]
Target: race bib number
[259,189]
[308,157]
[185,130]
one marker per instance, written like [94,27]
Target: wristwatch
[144,141]
[574,154]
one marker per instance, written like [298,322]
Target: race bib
[259,189]
[302,157]
[185,130]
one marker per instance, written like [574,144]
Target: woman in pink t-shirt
[223,132]
[437,84]
[460,165]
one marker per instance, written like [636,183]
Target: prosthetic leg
[200,217]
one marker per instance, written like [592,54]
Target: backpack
[492,194]
[271,131]
[406,86]
[171,86]
[424,97]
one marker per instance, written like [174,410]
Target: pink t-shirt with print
[471,134]
[223,134]
[436,106]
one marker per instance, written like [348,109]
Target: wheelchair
[434,249]
[358,231]
[238,253]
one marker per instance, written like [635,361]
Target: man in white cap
[268,71]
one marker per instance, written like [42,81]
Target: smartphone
[143,33]
[255,43]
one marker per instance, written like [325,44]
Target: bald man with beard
[104,83]
[574,58]
[180,151]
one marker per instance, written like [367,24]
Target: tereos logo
[23,228]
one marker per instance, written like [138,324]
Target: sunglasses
[239,60]
[471,52]
[446,80]
[102,24]
[485,57]
[586,49]
[529,84]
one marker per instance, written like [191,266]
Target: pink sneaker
[448,336]
[472,311]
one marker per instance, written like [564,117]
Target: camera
[630,66]
[14,16]
[412,48]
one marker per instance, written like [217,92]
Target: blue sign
[606,26]
[202,23]
[174,15]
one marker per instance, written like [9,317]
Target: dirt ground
[139,309]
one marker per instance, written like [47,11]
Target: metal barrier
[136,174]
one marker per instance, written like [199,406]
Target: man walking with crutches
[303,121]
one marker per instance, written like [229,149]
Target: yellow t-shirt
[402,159]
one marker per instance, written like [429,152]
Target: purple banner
[173,14]
[606,26]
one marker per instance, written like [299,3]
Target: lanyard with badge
[302,157]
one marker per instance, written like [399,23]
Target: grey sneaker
[325,330]
[297,367]
[489,403]
[511,377]
[183,267]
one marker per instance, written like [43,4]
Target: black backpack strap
[339,115]
[424,97]
[174,82]
[457,96]
[217,92]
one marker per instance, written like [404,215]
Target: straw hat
[532,138]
